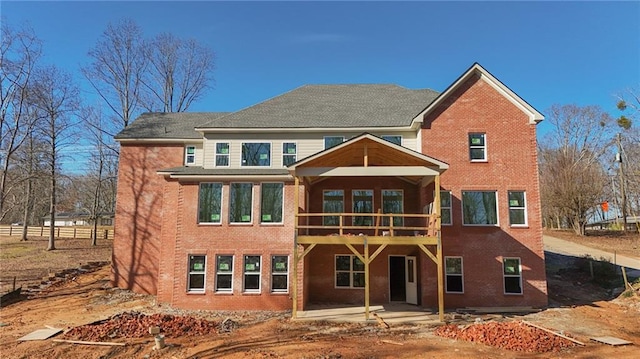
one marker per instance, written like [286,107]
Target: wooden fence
[60,232]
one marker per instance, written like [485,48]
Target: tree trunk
[27,210]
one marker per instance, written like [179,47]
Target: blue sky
[547,52]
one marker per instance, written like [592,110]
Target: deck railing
[382,224]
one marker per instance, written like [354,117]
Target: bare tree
[117,67]
[56,98]
[572,157]
[179,73]
[19,53]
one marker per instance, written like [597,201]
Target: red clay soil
[515,336]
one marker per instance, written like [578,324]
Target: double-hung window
[512,272]
[478,147]
[256,154]
[445,207]
[289,153]
[479,208]
[271,202]
[453,270]
[222,154]
[195,281]
[393,139]
[349,272]
[362,203]
[251,274]
[392,202]
[210,203]
[517,208]
[240,202]
[224,273]
[189,155]
[330,141]
[332,202]
[280,274]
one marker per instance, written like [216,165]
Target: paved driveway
[560,246]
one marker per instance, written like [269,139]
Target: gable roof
[534,115]
[160,125]
[331,106]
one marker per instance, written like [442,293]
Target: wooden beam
[306,251]
[439,252]
[428,253]
[296,203]
[366,158]
[378,251]
[355,251]
[366,171]
[359,240]
[366,280]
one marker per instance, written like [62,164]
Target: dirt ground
[578,308]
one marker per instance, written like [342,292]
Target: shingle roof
[341,106]
[179,125]
[200,171]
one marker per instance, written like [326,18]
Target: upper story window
[330,141]
[478,147]
[222,154]
[190,155]
[289,153]
[479,208]
[362,201]
[332,202]
[517,208]
[393,139]
[271,202]
[445,207]
[210,203]
[240,202]
[256,154]
[392,202]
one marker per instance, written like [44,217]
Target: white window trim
[363,214]
[280,291]
[524,208]
[221,206]
[224,290]
[189,273]
[485,147]
[252,209]
[324,141]
[216,154]
[401,138]
[258,142]
[323,196]
[244,274]
[461,275]
[186,155]
[285,154]
[351,271]
[382,201]
[504,276]
[480,225]
[450,208]
[282,209]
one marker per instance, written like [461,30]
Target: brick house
[342,194]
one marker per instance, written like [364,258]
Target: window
[517,208]
[271,202]
[190,155]
[224,273]
[256,154]
[393,139]
[512,275]
[196,273]
[445,207]
[289,153]
[477,147]
[251,274]
[240,202]
[453,270]
[392,202]
[362,203]
[332,202]
[330,141]
[222,154]
[349,272]
[210,203]
[479,208]
[280,274]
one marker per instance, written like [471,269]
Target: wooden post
[366,279]
[366,156]
[439,251]
[296,204]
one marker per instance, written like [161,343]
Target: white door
[410,279]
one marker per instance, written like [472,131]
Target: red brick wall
[139,214]
[512,165]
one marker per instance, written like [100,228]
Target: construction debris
[40,334]
[88,343]
[611,341]
[136,325]
[515,336]
[381,321]
[228,325]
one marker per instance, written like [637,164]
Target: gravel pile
[136,325]
[515,336]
